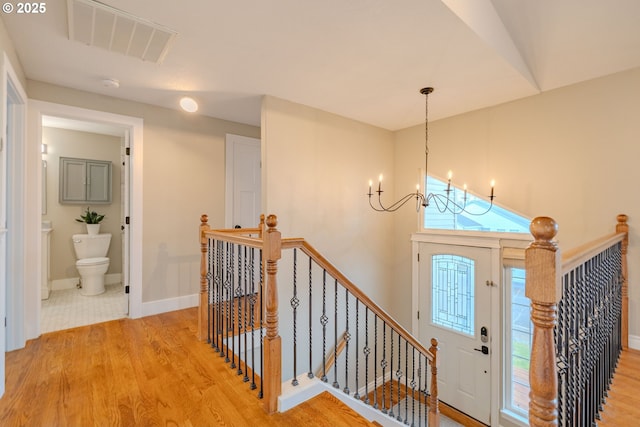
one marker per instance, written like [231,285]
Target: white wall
[571,154]
[316,169]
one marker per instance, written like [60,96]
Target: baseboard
[72,282]
[170,304]
[634,342]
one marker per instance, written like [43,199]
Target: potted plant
[92,219]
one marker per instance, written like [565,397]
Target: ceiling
[362,59]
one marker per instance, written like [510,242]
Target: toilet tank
[91,246]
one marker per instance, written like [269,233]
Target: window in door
[453,291]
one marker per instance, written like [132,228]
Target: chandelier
[445,201]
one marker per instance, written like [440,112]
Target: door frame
[490,241]
[134,125]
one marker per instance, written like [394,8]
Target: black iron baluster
[399,376]
[413,386]
[244,314]
[419,390]
[406,383]
[228,313]
[239,299]
[209,294]
[391,414]
[383,365]
[357,394]
[310,373]
[375,361]
[347,337]
[261,392]
[335,335]
[294,305]
[366,350]
[323,321]
[252,303]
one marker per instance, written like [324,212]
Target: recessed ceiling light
[111,83]
[189,104]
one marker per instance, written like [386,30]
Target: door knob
[483,350]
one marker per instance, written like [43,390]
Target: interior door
[124,179]
[243,181]
[455,307]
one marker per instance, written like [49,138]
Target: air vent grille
[97,24]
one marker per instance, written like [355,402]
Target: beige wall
[72,143]
[316,169]
[183,178]
[570,153]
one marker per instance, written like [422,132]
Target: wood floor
[622,407]
[153,372]
[144,372]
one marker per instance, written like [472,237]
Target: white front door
[455,307]
[243,182]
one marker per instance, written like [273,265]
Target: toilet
[91,252]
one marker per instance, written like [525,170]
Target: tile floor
[68,308]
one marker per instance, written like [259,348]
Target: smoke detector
[97,24]
[111,83]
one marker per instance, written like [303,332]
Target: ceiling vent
[97,24]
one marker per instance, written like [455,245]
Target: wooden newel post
[434,418]
[543,288]
[623,227]
[272,341]
[203,305]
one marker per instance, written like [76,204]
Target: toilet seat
[87,262]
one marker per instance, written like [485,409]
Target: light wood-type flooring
[145,372]
[154,372]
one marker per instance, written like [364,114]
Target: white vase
[93,229]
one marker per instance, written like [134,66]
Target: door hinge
[418,314]
[126,220]
[418,256]
[127,151]
[126,289]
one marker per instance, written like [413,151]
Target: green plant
[90,217]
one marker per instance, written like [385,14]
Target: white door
[243,182]
[455,307]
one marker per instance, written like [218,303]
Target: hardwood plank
[622,407]
[145,372]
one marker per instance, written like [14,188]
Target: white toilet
[92,264]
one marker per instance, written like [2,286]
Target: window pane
[453,293]
[521,336]
[497,219]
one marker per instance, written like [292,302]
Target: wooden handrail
[355,291]
[577,256]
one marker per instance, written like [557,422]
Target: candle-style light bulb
[493,184]
[465,191]
[380,183]
[449,175]
[370,184]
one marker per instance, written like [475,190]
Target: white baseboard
[72,282]
[634,342]
[170,304]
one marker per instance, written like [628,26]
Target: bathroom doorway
[100,147]
[72,122]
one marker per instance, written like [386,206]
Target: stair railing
[579,311]
[375,360]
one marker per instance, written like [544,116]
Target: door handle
[483,350]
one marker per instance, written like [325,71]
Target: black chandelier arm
[445,204]
[420,201]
